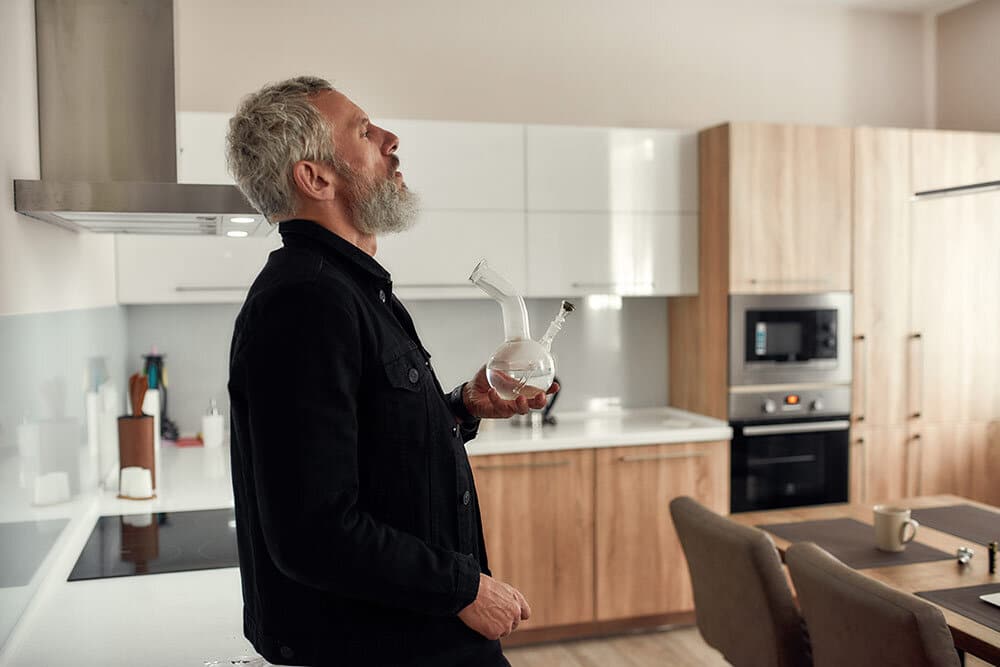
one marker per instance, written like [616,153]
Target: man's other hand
[497,610]
[483,401]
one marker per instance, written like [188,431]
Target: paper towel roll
[151,406]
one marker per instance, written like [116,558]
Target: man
[358,522]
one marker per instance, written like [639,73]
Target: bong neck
[515,313]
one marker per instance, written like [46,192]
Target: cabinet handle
[650,285]
[919,461]
[917,411]
[434,285]
[790,281]
[530,464]
[211,288]
[638,458]
[861,338]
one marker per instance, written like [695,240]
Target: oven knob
[769,406]
[817,405]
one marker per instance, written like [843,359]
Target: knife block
[135,443]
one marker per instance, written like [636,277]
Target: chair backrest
[742,601]
[857,621]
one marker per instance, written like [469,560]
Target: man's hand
[483,401]
[497,610]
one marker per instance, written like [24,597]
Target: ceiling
[909,6]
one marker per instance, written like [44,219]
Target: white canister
[212,427]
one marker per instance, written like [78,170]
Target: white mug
[891,524]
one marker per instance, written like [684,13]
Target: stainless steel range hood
[107,126]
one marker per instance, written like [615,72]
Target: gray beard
[385,208]
[379,207]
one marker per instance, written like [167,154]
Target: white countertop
[193,618]
[644,426]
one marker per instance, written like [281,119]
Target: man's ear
[314,180]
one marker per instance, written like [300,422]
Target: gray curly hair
[273,129]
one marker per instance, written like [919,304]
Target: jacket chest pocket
[402,401]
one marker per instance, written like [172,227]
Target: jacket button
[287,652]
[414,375]
[466,498]
[381,295]
[454,430]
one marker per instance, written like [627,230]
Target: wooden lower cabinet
[961,459]
[884,464]
[538,520]
[640,567]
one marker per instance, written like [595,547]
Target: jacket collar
[331,246]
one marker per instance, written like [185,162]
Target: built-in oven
[790,448]
[789,338]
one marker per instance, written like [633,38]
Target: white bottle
[212,427]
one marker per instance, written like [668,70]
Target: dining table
[970,636]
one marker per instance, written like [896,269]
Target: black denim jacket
[357,518]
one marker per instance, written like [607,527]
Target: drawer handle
[434,285]
[211,288]
[619,285]
[511,466]
[638,458]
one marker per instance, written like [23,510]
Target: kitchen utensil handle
[808,427]
[638,458]
[917,411]
[211,288]
[527,464]
[863,375]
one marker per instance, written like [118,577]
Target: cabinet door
[633,254]
[462,166]
[640,565]
[611,169]
[538,519]
[960,459]
[188,269]
[956,308]
[790,209]
[950,159]
[883,464]
[435,258]
[881,275]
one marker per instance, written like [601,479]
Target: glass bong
[520,366]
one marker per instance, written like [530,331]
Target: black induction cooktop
[131,544]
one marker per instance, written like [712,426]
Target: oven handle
[778,460]
[810,427]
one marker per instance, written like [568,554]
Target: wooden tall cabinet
[790,208]
[926,308]
[883,464]
[640,567]
[538,521]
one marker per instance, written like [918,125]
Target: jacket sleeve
[468,424]
[302,367]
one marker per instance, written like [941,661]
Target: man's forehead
[338,107]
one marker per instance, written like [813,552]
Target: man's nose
[390,143]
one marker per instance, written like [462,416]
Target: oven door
[789,463]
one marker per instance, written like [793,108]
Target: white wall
[968,67]
[682,63]
[42,267]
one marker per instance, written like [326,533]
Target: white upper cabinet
[631,254]
[434,259]
[611,169]
[201,147]
[461,166]
[188,269]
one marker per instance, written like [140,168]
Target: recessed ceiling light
[236,233]
[242,220]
